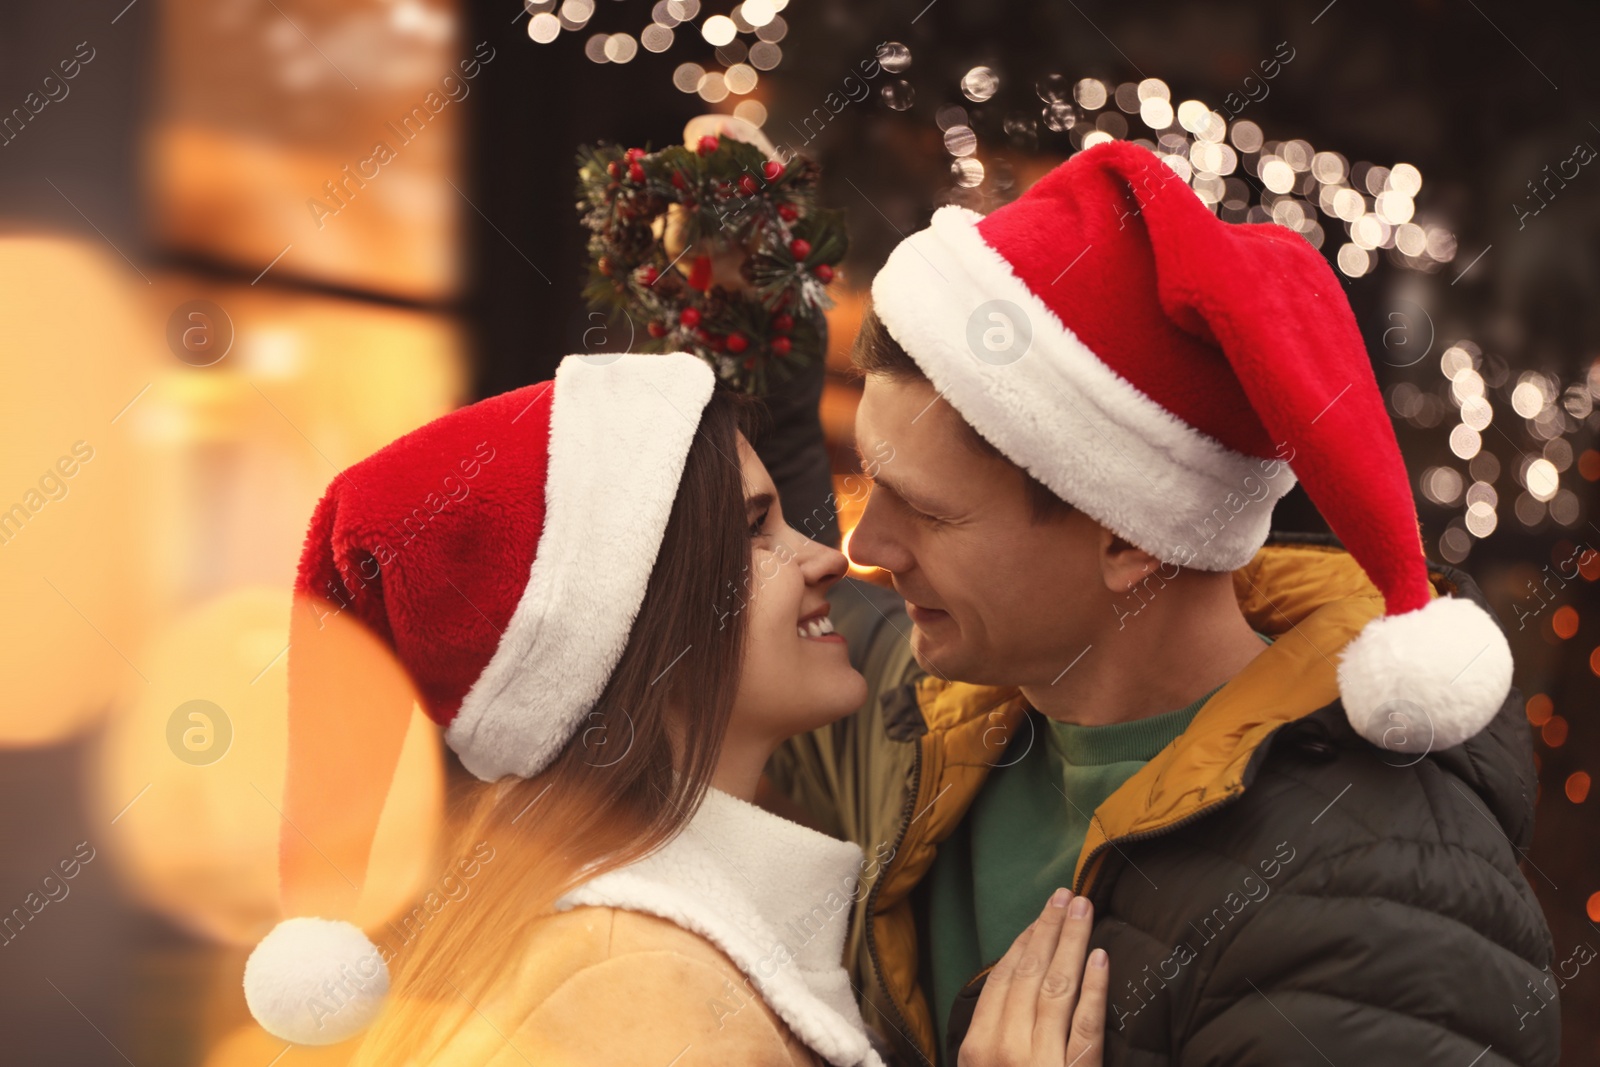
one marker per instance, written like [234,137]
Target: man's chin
[955,661]
[941,658]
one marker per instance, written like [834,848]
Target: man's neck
[1158,662]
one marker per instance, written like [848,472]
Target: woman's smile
[818,627]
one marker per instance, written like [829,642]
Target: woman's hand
[1041,1006]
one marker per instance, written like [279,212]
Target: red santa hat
[1172,375]
[500,554]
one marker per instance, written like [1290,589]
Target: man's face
[995,596]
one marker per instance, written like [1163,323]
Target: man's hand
[1041,1006]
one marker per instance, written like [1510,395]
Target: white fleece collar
[775,896]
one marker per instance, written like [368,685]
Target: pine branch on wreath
[717,249]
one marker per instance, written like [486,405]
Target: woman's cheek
[773,601]
[773,561]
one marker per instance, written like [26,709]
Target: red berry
[614,169]
[708,144]
[783,322]
[700,273]
[647,275]
[605,266]
[788,212]
[780,346]
[635,154]
[737,342]
[823,272]
[636,172]
[657,329]
[677,179]
[800,247]
[748,186]
[750,363]
[771,169]
[689,317]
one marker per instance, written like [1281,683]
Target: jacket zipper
[1193,816]
[899,1020]
[1252,765]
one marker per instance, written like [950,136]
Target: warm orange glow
[80,353]
[1589,565]
[1554,732]
[856,570]
[851,492]
[251,1046]
[838,414]
[1589,465]
[844,322]
[1594,661]
[1565,621]
[1593,907]
[197,802]
[1540,708]
[263,144]
[1578,786]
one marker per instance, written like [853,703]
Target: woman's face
[796,674]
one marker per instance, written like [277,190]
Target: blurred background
[247,242]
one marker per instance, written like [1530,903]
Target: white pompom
[315,981]
[1428,679]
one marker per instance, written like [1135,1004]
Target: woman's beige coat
[605,987]
[725,946]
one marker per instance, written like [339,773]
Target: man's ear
[1122,565]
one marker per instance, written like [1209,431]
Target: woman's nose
[821,564]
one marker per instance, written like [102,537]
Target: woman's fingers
[1087,1045]
[1043,1003]
[984,1033]
[1022,999]
[1057,992]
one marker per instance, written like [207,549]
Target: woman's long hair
[621,787]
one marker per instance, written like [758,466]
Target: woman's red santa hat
[1171,375]
[499,555]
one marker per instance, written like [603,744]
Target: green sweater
[1021,838]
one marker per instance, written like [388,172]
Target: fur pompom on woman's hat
[1172,375]
[499,555]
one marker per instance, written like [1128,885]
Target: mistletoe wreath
[719,249]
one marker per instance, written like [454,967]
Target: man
[1288,775]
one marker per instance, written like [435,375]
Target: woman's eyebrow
[758,503]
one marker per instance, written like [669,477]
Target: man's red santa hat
[1171,375]
[499,555]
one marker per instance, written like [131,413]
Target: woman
[590,584]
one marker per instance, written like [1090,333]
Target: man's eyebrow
[909,496]
[891,484]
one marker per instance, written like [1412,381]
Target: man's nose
[871,542]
